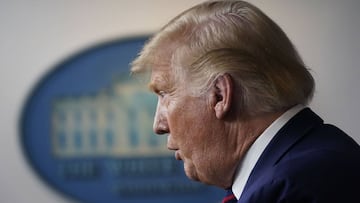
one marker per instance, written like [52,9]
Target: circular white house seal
[86,130]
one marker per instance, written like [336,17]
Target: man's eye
[161,93]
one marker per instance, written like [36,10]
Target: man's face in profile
[193,130]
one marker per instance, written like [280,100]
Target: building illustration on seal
[114,122]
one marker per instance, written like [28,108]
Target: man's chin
[191,173]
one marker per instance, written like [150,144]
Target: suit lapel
[284,140]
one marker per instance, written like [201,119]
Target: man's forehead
[161,71]
[162,54]
[160,75]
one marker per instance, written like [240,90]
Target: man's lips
[176,149]
[177,155]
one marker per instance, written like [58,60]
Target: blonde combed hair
[236,38]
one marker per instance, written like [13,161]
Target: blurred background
[37,35]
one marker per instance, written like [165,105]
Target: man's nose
[160,121]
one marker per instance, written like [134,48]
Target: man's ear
[223,91]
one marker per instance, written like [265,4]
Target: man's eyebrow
[152,86]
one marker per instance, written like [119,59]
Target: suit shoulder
[310,177]
[327,137]
[318,173]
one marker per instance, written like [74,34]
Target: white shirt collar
[251,157]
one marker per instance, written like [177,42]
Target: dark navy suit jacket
[307,161]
